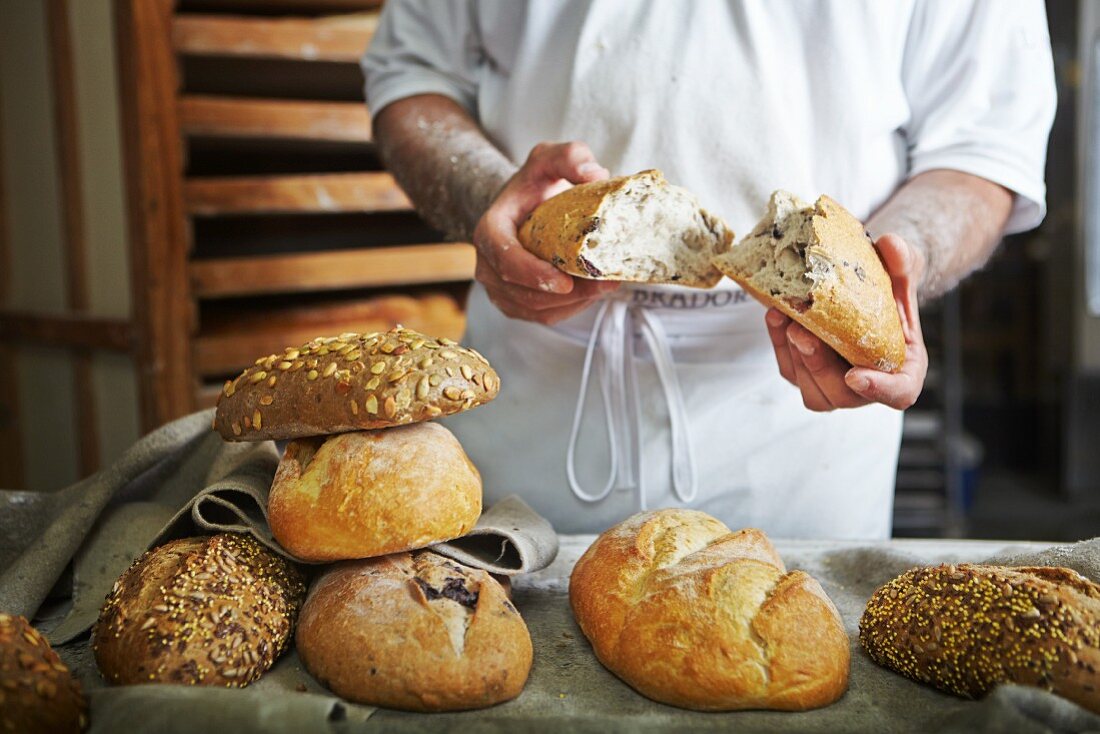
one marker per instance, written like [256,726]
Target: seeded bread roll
[818,265]
[965,629]
[353,382]
[214,611]
[692,615]
[634,228]
[369,493]
[417,631]
[38,694]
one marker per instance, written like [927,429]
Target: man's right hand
[521,285]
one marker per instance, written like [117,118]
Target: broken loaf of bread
[638,228]
[817,265]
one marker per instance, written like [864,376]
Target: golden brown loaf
[632,228]
[353,382]
[966,629]
[213,611]
[414,631]
[369,493]
[38,694]
[818,265]
[692,615]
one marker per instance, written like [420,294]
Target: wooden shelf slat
[336,192]
[302,7]
[341,38]
[227,349]
[243,117]
[313,271]
[68,330]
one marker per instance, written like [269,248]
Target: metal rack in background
[929,498]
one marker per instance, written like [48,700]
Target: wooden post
[11,439]
[71,206]
[159,241]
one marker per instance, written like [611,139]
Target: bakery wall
[32,217]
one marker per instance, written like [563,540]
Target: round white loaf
[416,631]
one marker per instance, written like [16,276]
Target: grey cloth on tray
[180,480]
[570,690]
[183,477]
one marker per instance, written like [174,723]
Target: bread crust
[353,382]
[692,615]
[215,611]
[417,632]
[38,693]
[369,493]
[853,308]
[558,230]
[968,628]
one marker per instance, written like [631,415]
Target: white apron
[680,405]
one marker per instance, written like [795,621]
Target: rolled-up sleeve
[979,79]
[422,47]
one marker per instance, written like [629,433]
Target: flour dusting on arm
[443,161]
[954,220]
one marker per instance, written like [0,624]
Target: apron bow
[612,336]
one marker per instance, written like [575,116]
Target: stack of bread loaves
[369,482]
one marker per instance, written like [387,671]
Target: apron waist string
[613,334]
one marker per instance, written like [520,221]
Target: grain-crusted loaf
[215,611]
[369,493]
[353,382]
[819,266]
[414,631]
[634,228]
[695,616]
[38,694]
[967,628]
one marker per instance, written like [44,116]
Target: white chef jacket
[732,100]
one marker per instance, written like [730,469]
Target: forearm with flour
[953,220]
[443,160]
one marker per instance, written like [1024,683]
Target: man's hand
[825,379]
[518,283]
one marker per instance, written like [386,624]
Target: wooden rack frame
[178,277]
[185,331]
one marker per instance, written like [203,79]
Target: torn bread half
[639,229]
[819,266]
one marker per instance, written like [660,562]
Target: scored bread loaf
[353,382]
[967,628]
[819,266]
[416,631]
[38,694]
[634,228]
[213,611]
[692,615]
[369,493]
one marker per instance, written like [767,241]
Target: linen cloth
[568,688]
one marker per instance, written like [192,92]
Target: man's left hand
[826,380]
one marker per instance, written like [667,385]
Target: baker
[928,120]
